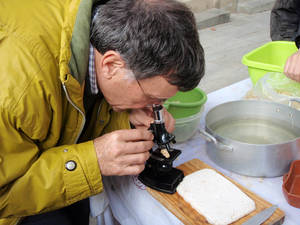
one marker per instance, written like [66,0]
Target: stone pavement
[225,45]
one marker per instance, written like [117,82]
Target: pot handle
[293,100]
[211,138]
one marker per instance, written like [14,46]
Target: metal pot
[254,138]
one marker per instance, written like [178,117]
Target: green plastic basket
[270,57]
[185,104]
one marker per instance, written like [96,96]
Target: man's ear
[111,63]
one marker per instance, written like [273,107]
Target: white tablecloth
[131,204]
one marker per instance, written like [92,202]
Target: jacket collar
[81,40]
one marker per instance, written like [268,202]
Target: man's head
[150,45]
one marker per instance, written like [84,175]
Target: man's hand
[123,152]
[292,67]
[142,118]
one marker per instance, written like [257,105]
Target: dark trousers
[75,214]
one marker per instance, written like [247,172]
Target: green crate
[270,57]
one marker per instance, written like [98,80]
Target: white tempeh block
[215,197]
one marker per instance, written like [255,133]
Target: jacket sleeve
[285,20]
[34,181]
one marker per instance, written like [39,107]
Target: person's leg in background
[284,20]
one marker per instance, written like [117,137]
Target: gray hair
[153,37]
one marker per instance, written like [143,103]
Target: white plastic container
[185,128]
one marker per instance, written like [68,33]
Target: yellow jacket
[44,47]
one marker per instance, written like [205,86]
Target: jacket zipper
[78,109]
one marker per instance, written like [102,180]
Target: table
[131,204]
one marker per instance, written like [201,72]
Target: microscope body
[159,172]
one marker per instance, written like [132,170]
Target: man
[285,25]
[67,97]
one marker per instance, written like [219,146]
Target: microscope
[159,173]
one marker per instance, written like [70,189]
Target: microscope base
[166,182]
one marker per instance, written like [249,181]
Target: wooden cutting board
[183,210]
